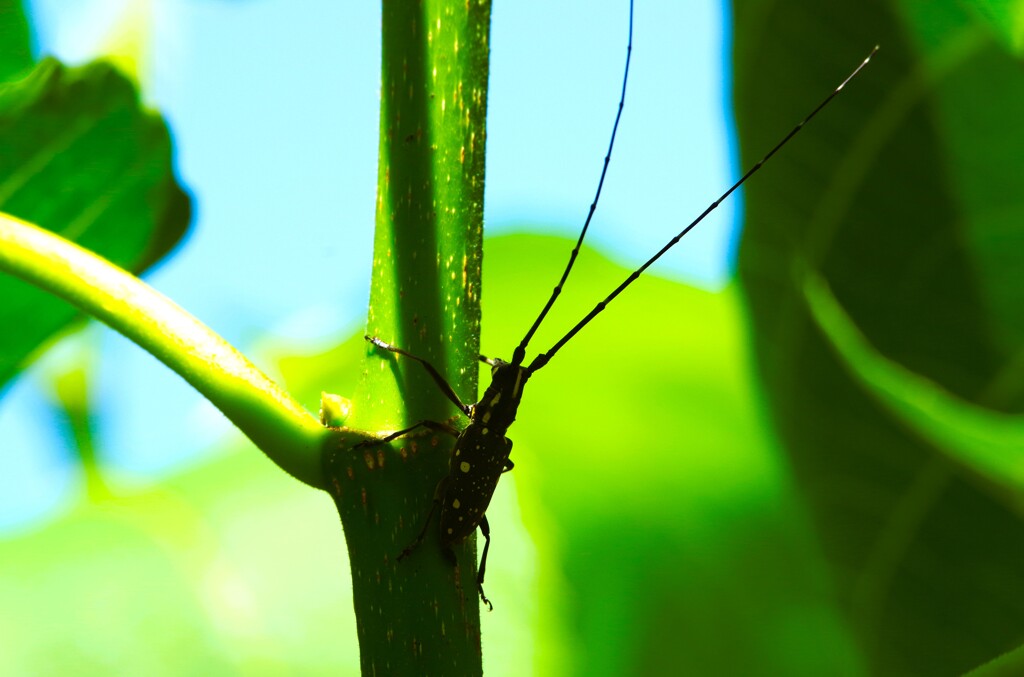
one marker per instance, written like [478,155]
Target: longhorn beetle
[481,452]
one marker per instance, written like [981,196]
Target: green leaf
[15,41]
[81,157]
[182,577]
[881,258]
[1005,18]
[662,536]
[644,465]
[985,441]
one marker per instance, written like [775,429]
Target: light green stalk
[276,423]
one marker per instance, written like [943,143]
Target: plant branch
[268,416]
[420,616]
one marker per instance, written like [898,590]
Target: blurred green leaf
[81,157]
[644,463]
[986,441]
[666,538]
[182,578]
[72,403]
[905,200]
[1008,665]
[1005,18]
[15,41]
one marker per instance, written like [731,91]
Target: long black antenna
[543,358]
[520,352]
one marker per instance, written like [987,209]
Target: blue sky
[274,107]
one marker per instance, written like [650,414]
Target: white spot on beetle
[464,467]
[456,504]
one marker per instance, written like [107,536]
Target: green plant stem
[420,616]
[276,423]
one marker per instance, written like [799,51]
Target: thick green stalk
[275,422]
[419,616]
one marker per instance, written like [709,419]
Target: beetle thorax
[497,408]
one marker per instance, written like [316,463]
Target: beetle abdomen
[479,458]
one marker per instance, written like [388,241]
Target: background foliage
[78,155]
[887,312]
[811,471]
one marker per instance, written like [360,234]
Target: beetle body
[481,451]
[479,457]
[481,454]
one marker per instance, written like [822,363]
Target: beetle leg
[432,425]
[508,461]
[485,529]
[442,486]
[419,537]
[448,391]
